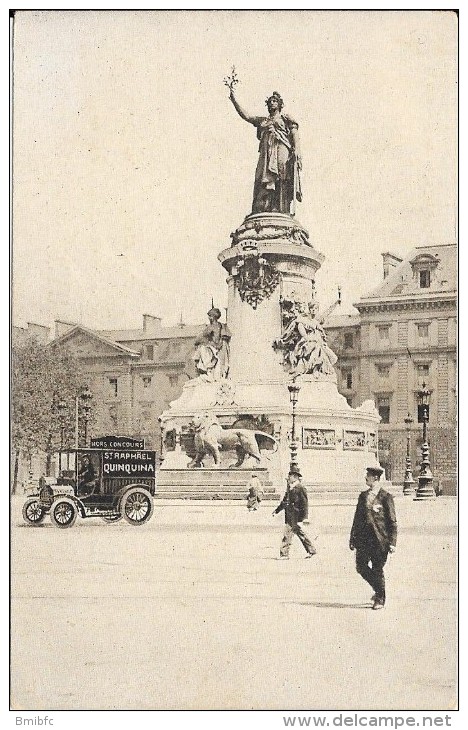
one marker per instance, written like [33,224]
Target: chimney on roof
[390,262]
[151,325]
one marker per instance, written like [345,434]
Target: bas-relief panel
[354,439]
[318,438]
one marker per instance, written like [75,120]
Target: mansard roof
[402,283]
[342,320]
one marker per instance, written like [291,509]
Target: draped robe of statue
[277,179]
[305,345]
[212,351]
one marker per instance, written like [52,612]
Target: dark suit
[294,513]
[374,530]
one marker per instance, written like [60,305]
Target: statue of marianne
[277,183]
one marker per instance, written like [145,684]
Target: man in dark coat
[374,534]
[296,510]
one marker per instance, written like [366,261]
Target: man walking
[374,534]
[296,510]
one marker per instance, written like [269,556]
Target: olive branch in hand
[232,80]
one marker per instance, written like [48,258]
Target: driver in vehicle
[86,476]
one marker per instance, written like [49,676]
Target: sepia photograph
[233,347]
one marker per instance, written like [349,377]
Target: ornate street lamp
[425,488]
[86,398]
[83,399]
[62,408]
[408,482]
[293,396]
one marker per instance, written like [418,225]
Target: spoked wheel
[63,512]
[33,512]
[112,518]
[137,506]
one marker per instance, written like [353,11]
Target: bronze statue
[212,348]
[277,183]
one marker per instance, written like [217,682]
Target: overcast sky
[131,167]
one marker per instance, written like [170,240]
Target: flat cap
[375,470]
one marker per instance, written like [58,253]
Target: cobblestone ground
[194,611]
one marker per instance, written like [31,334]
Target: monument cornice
[278,251]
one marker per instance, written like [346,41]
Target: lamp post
[425,488]
[408,483]
[61,409]
[84,399]
[293,396]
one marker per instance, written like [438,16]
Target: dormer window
[424,266]
[424,278]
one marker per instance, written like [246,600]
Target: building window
[423,330]
[173,380]
[383,407]
[384,332]
[425,278]
[148,352]
[114,387]
[383,370]
[347,375]
[422,370]
[348,341]
[146,381]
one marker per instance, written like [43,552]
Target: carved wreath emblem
[225,395]
[256,279]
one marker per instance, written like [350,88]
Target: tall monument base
[276,337]
[335,442]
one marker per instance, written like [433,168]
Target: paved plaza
[194,611]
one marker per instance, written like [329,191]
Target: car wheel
[33,512]
[136,506]
[63,512]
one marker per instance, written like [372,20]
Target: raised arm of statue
[241,112]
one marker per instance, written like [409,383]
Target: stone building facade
[406,335]
[133,374]
[403,334]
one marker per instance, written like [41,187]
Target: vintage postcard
[234,364]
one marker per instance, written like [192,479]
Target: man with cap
[374,533]
[296,509]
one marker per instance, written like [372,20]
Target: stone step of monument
[231,495]
[230,484]
[210,477]
[212,484]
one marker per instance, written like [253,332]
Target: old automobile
[111,483]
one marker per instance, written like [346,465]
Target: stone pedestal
[271,261]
